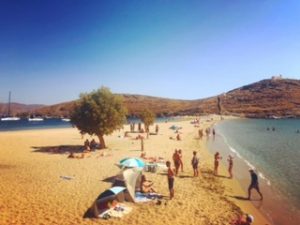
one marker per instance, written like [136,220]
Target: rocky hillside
[19,109]
[265,99]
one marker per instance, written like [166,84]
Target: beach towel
[116,212]
[146,197]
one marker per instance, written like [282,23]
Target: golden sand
[32,190]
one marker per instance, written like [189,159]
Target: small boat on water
[36,119]
[9,117]
[65,119]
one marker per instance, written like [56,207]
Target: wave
[251,166]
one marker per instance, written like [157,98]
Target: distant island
[270,98]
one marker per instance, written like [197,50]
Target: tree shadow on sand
[61,149]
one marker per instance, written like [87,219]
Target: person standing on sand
[195,162]
[230,166]
[156,129]
[176,160]
[170,179]
[180,159]
[254,184]
[217,158]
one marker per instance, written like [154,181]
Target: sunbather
[244,221]
[146,185]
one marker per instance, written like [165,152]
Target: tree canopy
[147,118]
[99,113]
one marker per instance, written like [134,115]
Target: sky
[51,51]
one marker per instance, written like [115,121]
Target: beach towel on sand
[146,197]
[117,212]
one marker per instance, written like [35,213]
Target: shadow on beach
[61,149]
[109,179]
[238,197]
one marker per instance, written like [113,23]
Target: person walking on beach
[170,179]
[180,159]
[195,162]
[230,166]
[176,160]
[254,185]
[217,158]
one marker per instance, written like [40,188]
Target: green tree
[99,113]
[147,118]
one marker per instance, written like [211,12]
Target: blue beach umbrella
[132,162]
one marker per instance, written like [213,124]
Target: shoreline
[275,206]
[41,196]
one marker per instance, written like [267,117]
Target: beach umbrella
[132,162]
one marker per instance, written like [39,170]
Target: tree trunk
[142,144]
[102,142]
[147,130]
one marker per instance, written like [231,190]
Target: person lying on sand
[146,185]
[244,220]
[76,156]
[151,158]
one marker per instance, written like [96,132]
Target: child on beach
[170,179]
[230,166]
[217,158]
[195,162]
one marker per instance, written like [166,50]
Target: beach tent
[130,179]
[102,202]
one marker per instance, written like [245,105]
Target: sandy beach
[33,190]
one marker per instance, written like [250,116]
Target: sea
[272,148]
[52,123]
[24,124]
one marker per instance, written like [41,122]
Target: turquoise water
[275,154]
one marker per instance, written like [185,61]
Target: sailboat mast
[9,99]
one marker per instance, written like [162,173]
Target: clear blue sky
[51,51]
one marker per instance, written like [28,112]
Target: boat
[9,118]
[36,119]
[65,119]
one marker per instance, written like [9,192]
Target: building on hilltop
[279,77]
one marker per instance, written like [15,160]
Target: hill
[264,99]
[19,109]
[267,98]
